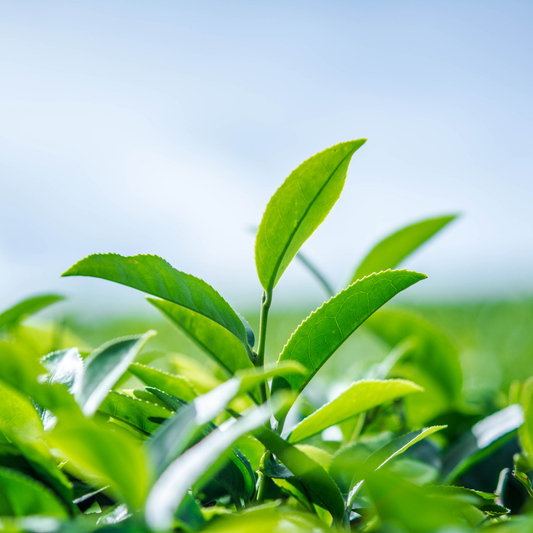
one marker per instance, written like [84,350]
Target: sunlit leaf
[94,451]
[298,207]
[432,362]
[319,336]
[392,250]
[386,453]
[20,421]
[359,397]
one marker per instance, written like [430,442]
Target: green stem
[263,389]
[314,270]
[260,359]
[261,488]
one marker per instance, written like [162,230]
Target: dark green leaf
[19,312]
[484,438]
[143,415]
[320,334]
[193,465]
[153,275]
[213,339]
[189,515]
[105,366]
[392,250]
[310,473]
[23,496]
[298,207]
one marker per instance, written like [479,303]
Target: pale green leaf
[298,207]
[105,366]
[385,454]
[153,275]
[213,339]
[114,458]
[392,250]
[359,397]
[432,362]
[27,307]
[22,372]
[178,386]
[20,422]
[320,334]
[268,519]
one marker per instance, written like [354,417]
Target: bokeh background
[164,127]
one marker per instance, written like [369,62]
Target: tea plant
[244,448]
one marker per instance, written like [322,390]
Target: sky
[164,128]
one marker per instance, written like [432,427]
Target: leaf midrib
[299,223]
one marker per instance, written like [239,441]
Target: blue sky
[165,127]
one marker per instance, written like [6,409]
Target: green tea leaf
[175,435]
[66,368]
[268,519]
[188,469]
[213,339]
[359,397]
[432,362]
[95,451]
[142,415]
[298,207]
[525,433]
[153,275]
[21,371]
[105,366]
[320,334]
[392,250]
[178,386]
[23,496]
[385,454]
[20,422]
[398,446]
[30,306]
[523,472]
[411,507]
[310,473]
[189,514]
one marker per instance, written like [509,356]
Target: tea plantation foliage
[126,438]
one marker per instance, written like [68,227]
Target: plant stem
[260,363]
[261,486]
[260,359]
[319,276]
